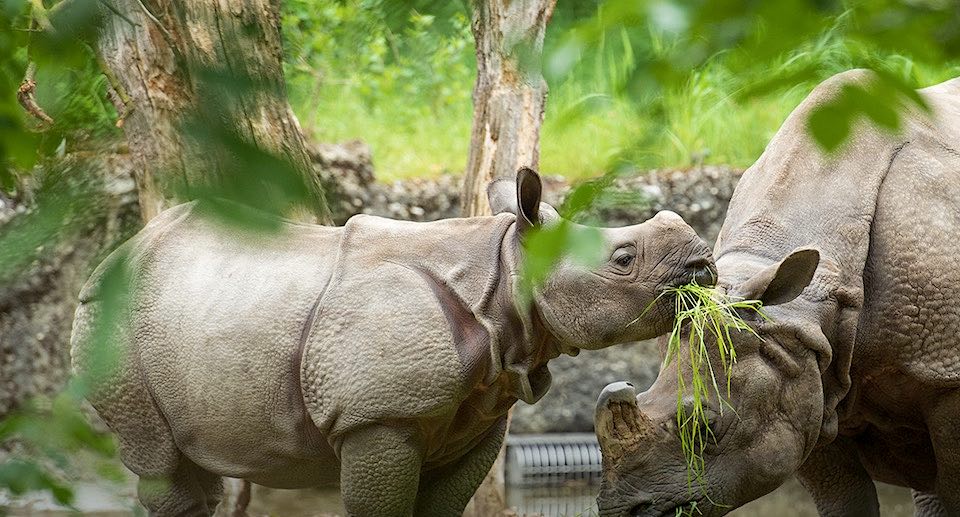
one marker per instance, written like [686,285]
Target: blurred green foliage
[648,84]
[634,84]
[39,441]
[47,436]
[238,172]
[750,39]
[70,87]
[388,74]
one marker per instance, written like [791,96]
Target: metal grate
[572,501]
[550,460]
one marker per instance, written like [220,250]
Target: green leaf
[829,125]
[20,477]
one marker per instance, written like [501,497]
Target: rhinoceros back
[216,319]
[911,322]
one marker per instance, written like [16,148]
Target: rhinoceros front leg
[838,483]
[380,471]
[928,505]
[447,490]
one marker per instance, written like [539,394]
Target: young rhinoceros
[382,355]
[857,376]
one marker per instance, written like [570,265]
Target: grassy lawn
[704,123]
[407,94]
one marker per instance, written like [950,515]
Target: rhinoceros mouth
[673,510]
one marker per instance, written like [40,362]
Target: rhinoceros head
[618,300]
[754,444]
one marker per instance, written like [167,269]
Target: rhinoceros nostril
[701,271]
[697,263]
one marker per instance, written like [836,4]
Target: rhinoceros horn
[620,425]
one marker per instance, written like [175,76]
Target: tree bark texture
[161,54]
[509,95]
[508,107]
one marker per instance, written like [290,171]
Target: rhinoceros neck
[526,344]
[470,265]
[517,346]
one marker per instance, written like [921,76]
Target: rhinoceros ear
[521,198]
[785,280]
[502,196]
[529,189]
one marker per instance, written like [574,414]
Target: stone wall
[699,194]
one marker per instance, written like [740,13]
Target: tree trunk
[160,56]
[223,60]
[509,95]
[508,106]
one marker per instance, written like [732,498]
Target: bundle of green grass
[710,317]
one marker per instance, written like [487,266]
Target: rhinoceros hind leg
[944,425]
[170,483]
[189,492]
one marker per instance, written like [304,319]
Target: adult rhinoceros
[857,377]
[382,355]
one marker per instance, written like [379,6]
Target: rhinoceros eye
[623,258]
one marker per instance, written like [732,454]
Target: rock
[577,382]
[699,194]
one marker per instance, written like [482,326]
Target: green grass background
[406,90]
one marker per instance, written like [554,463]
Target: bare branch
[40,15]
[26,98]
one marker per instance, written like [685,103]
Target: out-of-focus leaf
[103,355]
[545,247]
[829,125]
[778,81]
[242,172]
[75,25]
[882,99]
[584,245]
[253,178]
[25,238]
[20,477]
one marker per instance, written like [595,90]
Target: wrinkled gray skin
[382,355]
[858,376]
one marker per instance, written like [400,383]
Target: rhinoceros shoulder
[396,333]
